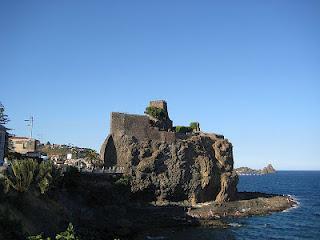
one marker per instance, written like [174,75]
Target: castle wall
[137,126]
[129,124]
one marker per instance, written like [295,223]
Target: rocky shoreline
[249,204]
[104,208]
[210,214]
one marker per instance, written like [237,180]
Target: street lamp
[30,124]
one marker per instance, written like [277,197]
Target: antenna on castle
[30,124]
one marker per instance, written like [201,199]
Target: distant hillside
[63,150]
[248,171]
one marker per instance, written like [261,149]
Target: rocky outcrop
[229,181]
[247,204]
[197,168]
[268,169]
[248,171]
[165,165]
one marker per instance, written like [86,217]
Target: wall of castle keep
[137,126]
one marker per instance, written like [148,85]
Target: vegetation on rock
[125,181]
[183,129]
[157,113]
[195,126]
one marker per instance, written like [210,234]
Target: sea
[300,222]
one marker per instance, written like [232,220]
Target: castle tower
[159,104]
[163,124]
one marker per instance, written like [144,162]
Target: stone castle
[141,127]
[165,164]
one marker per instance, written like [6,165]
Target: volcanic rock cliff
[165,165]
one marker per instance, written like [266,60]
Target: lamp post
[30,124]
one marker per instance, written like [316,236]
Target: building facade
[23,144]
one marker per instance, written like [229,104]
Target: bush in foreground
[69,234]
[23,175]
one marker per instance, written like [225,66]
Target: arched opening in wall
[110,155]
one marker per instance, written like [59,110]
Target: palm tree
[93,157]
[20,175]
[24,174]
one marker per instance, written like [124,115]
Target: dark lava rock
[198,168]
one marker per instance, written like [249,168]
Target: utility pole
[30,124]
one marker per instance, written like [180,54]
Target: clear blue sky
[247,69]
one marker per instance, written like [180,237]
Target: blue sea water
[302,222]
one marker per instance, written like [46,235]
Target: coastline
[248,204]
[110,204]
[209,214]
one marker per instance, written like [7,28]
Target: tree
[93,157]
[4,120]
[3,117]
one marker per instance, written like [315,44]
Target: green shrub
[122,190]
[195,126]
[25,174]
[38,237]
[69,234]
[183,129]
[157,113]
[124,180]
[20,175]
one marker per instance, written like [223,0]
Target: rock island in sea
[249,171]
